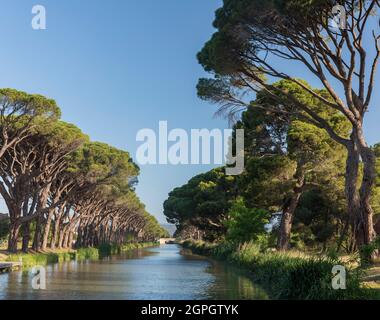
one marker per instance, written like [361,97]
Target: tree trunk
[66,239]
[71,239]
[13,236]
[289,208]
[47,230]
[359,206]
[43,198]
[25,237]
[60,239]
[55,237]
[14,227]
[351,192]
[365,227]
[37,234]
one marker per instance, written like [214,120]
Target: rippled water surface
[165,272]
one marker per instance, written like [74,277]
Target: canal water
[163,273]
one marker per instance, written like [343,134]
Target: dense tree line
[60,188]
[292,168]
[304,142]
[289,164]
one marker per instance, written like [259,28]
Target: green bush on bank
[367,251]
[4,229]
[108,249]
[87,254]
[285,276]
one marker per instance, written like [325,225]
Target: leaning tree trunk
[37,234]
[14,227]
[45,237]
[55,237]
[39,221]
[290,207]
[70,240]
[61,237]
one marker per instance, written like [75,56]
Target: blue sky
[115,67]
[118,66]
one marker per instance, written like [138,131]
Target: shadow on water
[230,283]
[164,272]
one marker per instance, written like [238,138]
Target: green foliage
[277,145]
[51,165]
[137,245]
[4,228]
[87,254]
[23,106]
[368,250]
[60,134]
[154,229]
[266,181]
[245,224]
[102,162]
[109,249]
[317,217]
[203,202]
[249,34]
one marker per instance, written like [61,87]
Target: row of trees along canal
[61,188]
[305,150]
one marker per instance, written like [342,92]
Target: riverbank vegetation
[44,258]
[291,275]
[311,181]
[62,190]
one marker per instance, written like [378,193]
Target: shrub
[245,224]
[4,228]
[87,254]
[367,251]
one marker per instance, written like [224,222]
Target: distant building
[3,216]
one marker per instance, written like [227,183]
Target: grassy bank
[33,259]
[111,249]
[287,276]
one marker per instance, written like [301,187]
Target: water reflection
[164,272]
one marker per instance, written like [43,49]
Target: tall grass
[286,276]
[87,254]
[41,259]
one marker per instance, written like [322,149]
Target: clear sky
[118,66]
